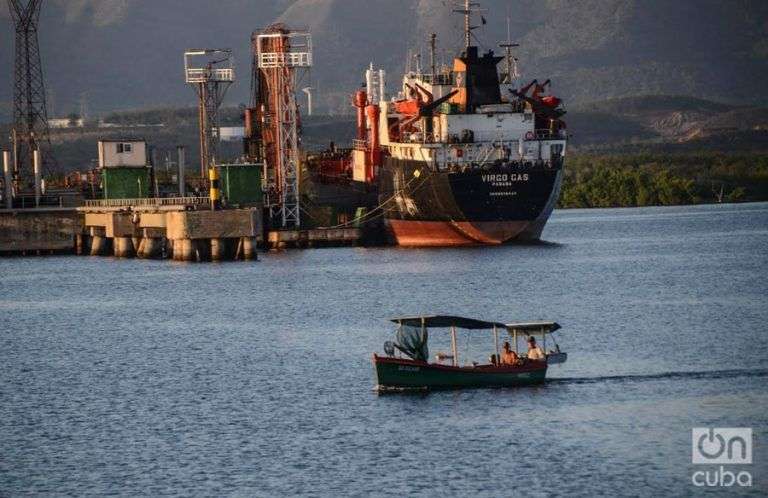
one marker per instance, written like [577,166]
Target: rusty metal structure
[279,55]
[211,72]
[30,117]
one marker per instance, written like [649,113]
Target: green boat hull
[397,373]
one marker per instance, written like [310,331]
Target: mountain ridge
[124,54]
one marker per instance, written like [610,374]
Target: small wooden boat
[406,362]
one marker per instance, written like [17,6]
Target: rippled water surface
[144,377]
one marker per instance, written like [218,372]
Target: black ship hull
[482,205]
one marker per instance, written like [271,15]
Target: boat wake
[709,374]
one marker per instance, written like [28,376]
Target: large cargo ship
[461,155]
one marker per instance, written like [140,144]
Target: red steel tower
[279,54]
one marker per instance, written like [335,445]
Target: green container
[125,182]
[449,108]
[241,183]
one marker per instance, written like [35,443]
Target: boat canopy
[445,321]
[529,327]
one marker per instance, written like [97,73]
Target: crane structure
[211,71]
[30,118]
[279,54]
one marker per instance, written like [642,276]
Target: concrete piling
[8,179]
[202,250]
[182,169]
[183,250]
[124,247]
[151,248]
[218,249]
[37,166]
[98,245]
[249,248]
[98,241]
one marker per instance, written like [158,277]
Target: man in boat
[535,353]
[509,357]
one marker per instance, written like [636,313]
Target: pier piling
[98,241]
[218,249]
[249,248]
[124,247]
[8,179]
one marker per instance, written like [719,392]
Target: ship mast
[467,12]
[508,46]
[467,27]
[432,50]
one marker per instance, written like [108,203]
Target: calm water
[145,378]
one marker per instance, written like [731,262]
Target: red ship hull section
[414,233]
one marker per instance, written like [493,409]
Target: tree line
[663,180]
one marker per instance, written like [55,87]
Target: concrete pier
[173,231]
[155,229]
[43,230]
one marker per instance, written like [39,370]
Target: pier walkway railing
[147,202]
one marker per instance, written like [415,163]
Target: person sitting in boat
[509,357]
[535,353]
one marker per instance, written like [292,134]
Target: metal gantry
[30,118]
[279,53]
[211,72]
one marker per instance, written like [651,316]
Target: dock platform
[317,237]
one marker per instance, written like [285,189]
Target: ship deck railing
[358,144]
[547,134]
[202,75]
[419,138]
[148,202]
[435,79]
[523,165]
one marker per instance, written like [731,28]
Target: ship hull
[489,206]
[401,373]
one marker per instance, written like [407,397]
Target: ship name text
[505,179]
